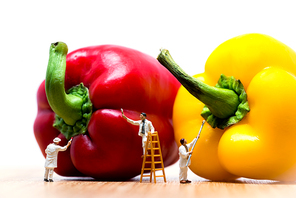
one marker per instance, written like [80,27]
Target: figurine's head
[56,140]
[143,116]
[183,141]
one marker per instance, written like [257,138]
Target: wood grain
[28,182]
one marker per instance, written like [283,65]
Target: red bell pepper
[109,77]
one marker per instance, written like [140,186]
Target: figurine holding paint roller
[185,156]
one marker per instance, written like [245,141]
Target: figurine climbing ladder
[153,158]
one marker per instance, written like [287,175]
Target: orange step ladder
[153,158]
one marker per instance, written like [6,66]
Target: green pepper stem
[64,105]
[223,103]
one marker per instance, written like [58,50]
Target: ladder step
[153,149]
[157,169]
[154,155]
[156,162]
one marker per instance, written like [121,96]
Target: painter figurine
[184,155]
[145,126]
[52,158]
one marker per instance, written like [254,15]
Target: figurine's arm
[191,143]
[133,121]
[130,120]
[65,147]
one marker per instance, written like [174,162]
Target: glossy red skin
[117,77]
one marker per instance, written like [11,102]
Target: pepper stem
[70,107]
[223,102]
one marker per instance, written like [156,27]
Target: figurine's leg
[50,175]
[180,174]
[143,150]
[46,175]
[183,174]
[144,140]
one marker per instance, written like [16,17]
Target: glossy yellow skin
[263,144]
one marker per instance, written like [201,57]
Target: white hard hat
[56,140]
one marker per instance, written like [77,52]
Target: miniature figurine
[184,154]
[144,127]
[52,158]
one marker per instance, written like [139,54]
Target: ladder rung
[154,162]
[153,155]
[159,176]
[157,169]
[145,175]
[154,141]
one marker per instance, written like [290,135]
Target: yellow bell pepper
[263,144]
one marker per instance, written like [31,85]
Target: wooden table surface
[28,182]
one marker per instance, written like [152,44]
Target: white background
[189,29]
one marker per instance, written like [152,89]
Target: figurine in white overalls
[184,154]
[52,158]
